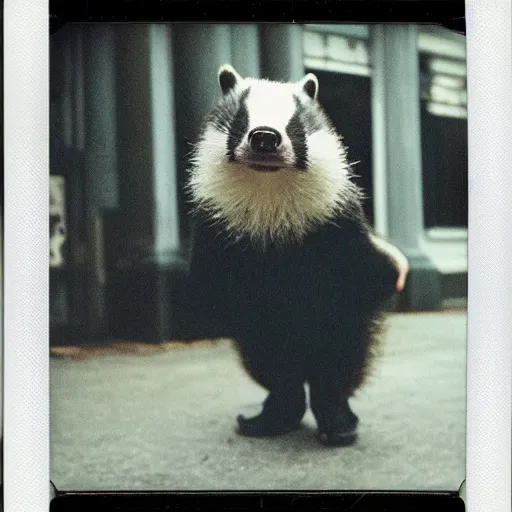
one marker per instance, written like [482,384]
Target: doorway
[347,100]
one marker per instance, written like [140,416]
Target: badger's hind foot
[265,426]
[348,438]
[282,413]
[340,429]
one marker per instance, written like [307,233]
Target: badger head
[269,163]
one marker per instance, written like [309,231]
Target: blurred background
[127,101]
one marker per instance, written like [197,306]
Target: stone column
[100,159]
[397,109]
[145,255]
[245,49]
[282,52]
[199,51]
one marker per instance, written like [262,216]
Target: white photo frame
[26,478]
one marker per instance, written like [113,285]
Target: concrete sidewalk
[166,421]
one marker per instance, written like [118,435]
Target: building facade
[128,100]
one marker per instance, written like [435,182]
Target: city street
[164,419]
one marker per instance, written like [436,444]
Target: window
[444,141]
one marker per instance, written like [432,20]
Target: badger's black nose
[264,139]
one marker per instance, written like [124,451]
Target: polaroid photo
[259,284]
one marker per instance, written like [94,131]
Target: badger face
[269,163]
[268,132]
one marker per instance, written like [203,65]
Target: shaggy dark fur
[299,312]
[307,312]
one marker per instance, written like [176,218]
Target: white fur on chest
[271,206]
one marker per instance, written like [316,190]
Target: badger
[282,259]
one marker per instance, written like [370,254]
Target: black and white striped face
[269,126]
[269,161]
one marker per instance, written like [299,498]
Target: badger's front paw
[403,271]
[265,426]
[398,259]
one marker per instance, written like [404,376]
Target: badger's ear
[228,78]
[309,85]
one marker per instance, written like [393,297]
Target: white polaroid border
[26,475]
[489,390]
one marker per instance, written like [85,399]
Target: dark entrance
[445,164]
[347,100]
